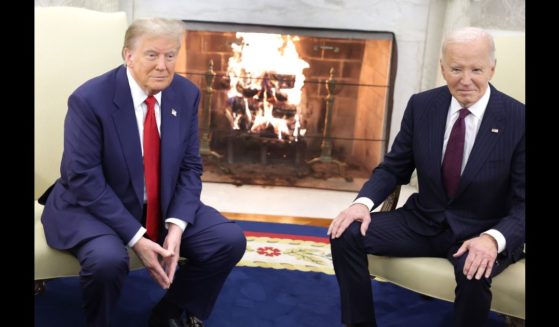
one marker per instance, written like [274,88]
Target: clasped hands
[161,261]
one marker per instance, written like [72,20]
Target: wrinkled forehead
[476,49]
[479,45]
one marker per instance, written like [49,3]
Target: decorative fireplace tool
[326,145]
[207,114]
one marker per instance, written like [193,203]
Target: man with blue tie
[130,176]
[466,141]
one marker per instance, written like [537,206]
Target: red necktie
[452,162]
[152,170]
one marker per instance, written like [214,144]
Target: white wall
[98,5]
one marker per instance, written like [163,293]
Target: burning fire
[266,76]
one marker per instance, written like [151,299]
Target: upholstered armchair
[72,45]
[434,277]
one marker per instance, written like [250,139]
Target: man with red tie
[466,141]
[130,177]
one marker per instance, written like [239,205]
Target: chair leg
[514,322]
[40,286]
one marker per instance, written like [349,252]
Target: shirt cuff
[139,234]
[365,201]
[181,223]
[501,241]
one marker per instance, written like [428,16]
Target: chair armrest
[392,200]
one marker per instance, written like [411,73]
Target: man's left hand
[172,243]
[482,252]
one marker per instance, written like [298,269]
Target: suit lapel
[170,139]
[493,119]
[124,119]
[436,138]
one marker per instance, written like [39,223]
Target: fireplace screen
[284,106]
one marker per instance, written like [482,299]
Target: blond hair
[152,27]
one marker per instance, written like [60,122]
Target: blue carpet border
[294,229]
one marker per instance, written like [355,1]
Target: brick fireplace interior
[290,106]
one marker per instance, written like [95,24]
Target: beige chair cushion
[51,263]
[72,45]
[435,277]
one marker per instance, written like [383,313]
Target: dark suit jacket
[101,188]
[492,185]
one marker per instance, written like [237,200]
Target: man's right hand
[356,211]
[149,252]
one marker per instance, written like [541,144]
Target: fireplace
[290,106]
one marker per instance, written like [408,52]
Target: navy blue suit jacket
[101,188]
[492,185]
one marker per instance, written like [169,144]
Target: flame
[265,68]
[262,121]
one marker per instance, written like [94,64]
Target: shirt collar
[138,95]
[477,109]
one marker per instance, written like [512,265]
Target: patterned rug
[287,251]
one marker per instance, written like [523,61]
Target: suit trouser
[212,252]
[388,234]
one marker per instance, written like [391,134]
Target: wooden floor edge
[322,222]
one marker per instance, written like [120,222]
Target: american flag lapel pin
[494,130]
[174,112]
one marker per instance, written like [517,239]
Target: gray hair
[466,34]
[153,27]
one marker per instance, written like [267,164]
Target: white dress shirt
[140,109]
[473,122]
